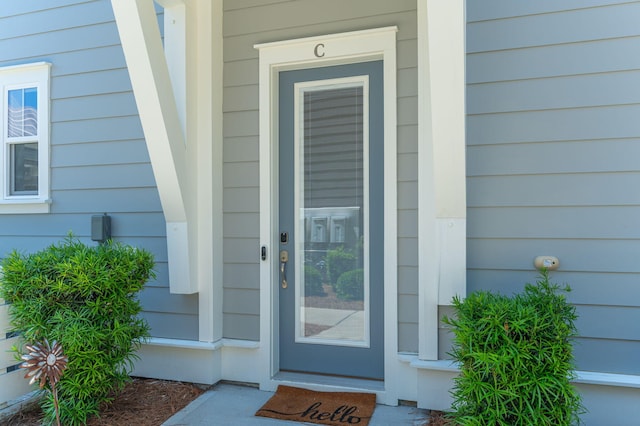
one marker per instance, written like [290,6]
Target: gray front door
[331,220]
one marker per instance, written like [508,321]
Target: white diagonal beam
[144,54]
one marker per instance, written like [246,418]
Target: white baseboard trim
[608,398]
[584,377]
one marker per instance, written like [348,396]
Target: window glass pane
[24,169]
[333,205]
[23,112]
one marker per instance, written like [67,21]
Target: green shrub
[85,298]
[350,285]
[339,262]
[313,282]
[516,358]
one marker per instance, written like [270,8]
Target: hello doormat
[325,408]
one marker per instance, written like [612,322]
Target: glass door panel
[331,201]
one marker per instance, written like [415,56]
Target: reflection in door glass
[332,204]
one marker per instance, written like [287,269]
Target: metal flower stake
[45,362]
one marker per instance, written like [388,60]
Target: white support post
[441,155]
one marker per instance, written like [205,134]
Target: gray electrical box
[101,228]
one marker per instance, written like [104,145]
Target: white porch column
[441,156]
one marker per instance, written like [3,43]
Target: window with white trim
[24,137]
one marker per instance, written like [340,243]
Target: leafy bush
[516,358]
[313,282]
[85,298]
[350,285]
[339,262]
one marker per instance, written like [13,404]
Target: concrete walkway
[229,404]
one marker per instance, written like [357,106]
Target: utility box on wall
[101,228]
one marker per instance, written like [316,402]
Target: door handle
[284,258]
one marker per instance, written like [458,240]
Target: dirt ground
[143,402]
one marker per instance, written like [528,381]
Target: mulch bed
[143,402]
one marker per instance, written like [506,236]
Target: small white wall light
[550,262]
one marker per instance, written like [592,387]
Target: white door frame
[335,49]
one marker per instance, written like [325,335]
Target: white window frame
[23,77]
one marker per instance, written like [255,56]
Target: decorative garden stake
[45,362]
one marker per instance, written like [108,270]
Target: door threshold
[321,380]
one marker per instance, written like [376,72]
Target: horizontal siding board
[240,73]
[530,158]
[408,195]
[407,308]
[500,9]
[244,123]
[55,19]
[562,27]
[241,98]
[613,289]
[407,251]
[241,225]
[407,223]
[407,167]
[408,338]
[100,153]
[609,222]
[407,82]
[307,13]
[229,5]
[123,224]
[241,250]
[408,111]
[91,83]
[99,106]
[96,59]
[79,38]
[606,355]
[158,299]
[614,256]
[407,139]
[406,52]
[240,149]
[555,93]
[408,280]
[103,129]
[612,122]
[607,322]
[106,200]
[599,189]
[172,326]
[238,326]
[241,200]
[245,275]
[241,175]
[103,177]
[161,270]
[597,56]
[12,8]
[241,301]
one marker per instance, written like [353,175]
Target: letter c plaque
[317,52]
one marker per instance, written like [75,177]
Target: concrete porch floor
[231,404]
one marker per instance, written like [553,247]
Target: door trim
[334,49]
